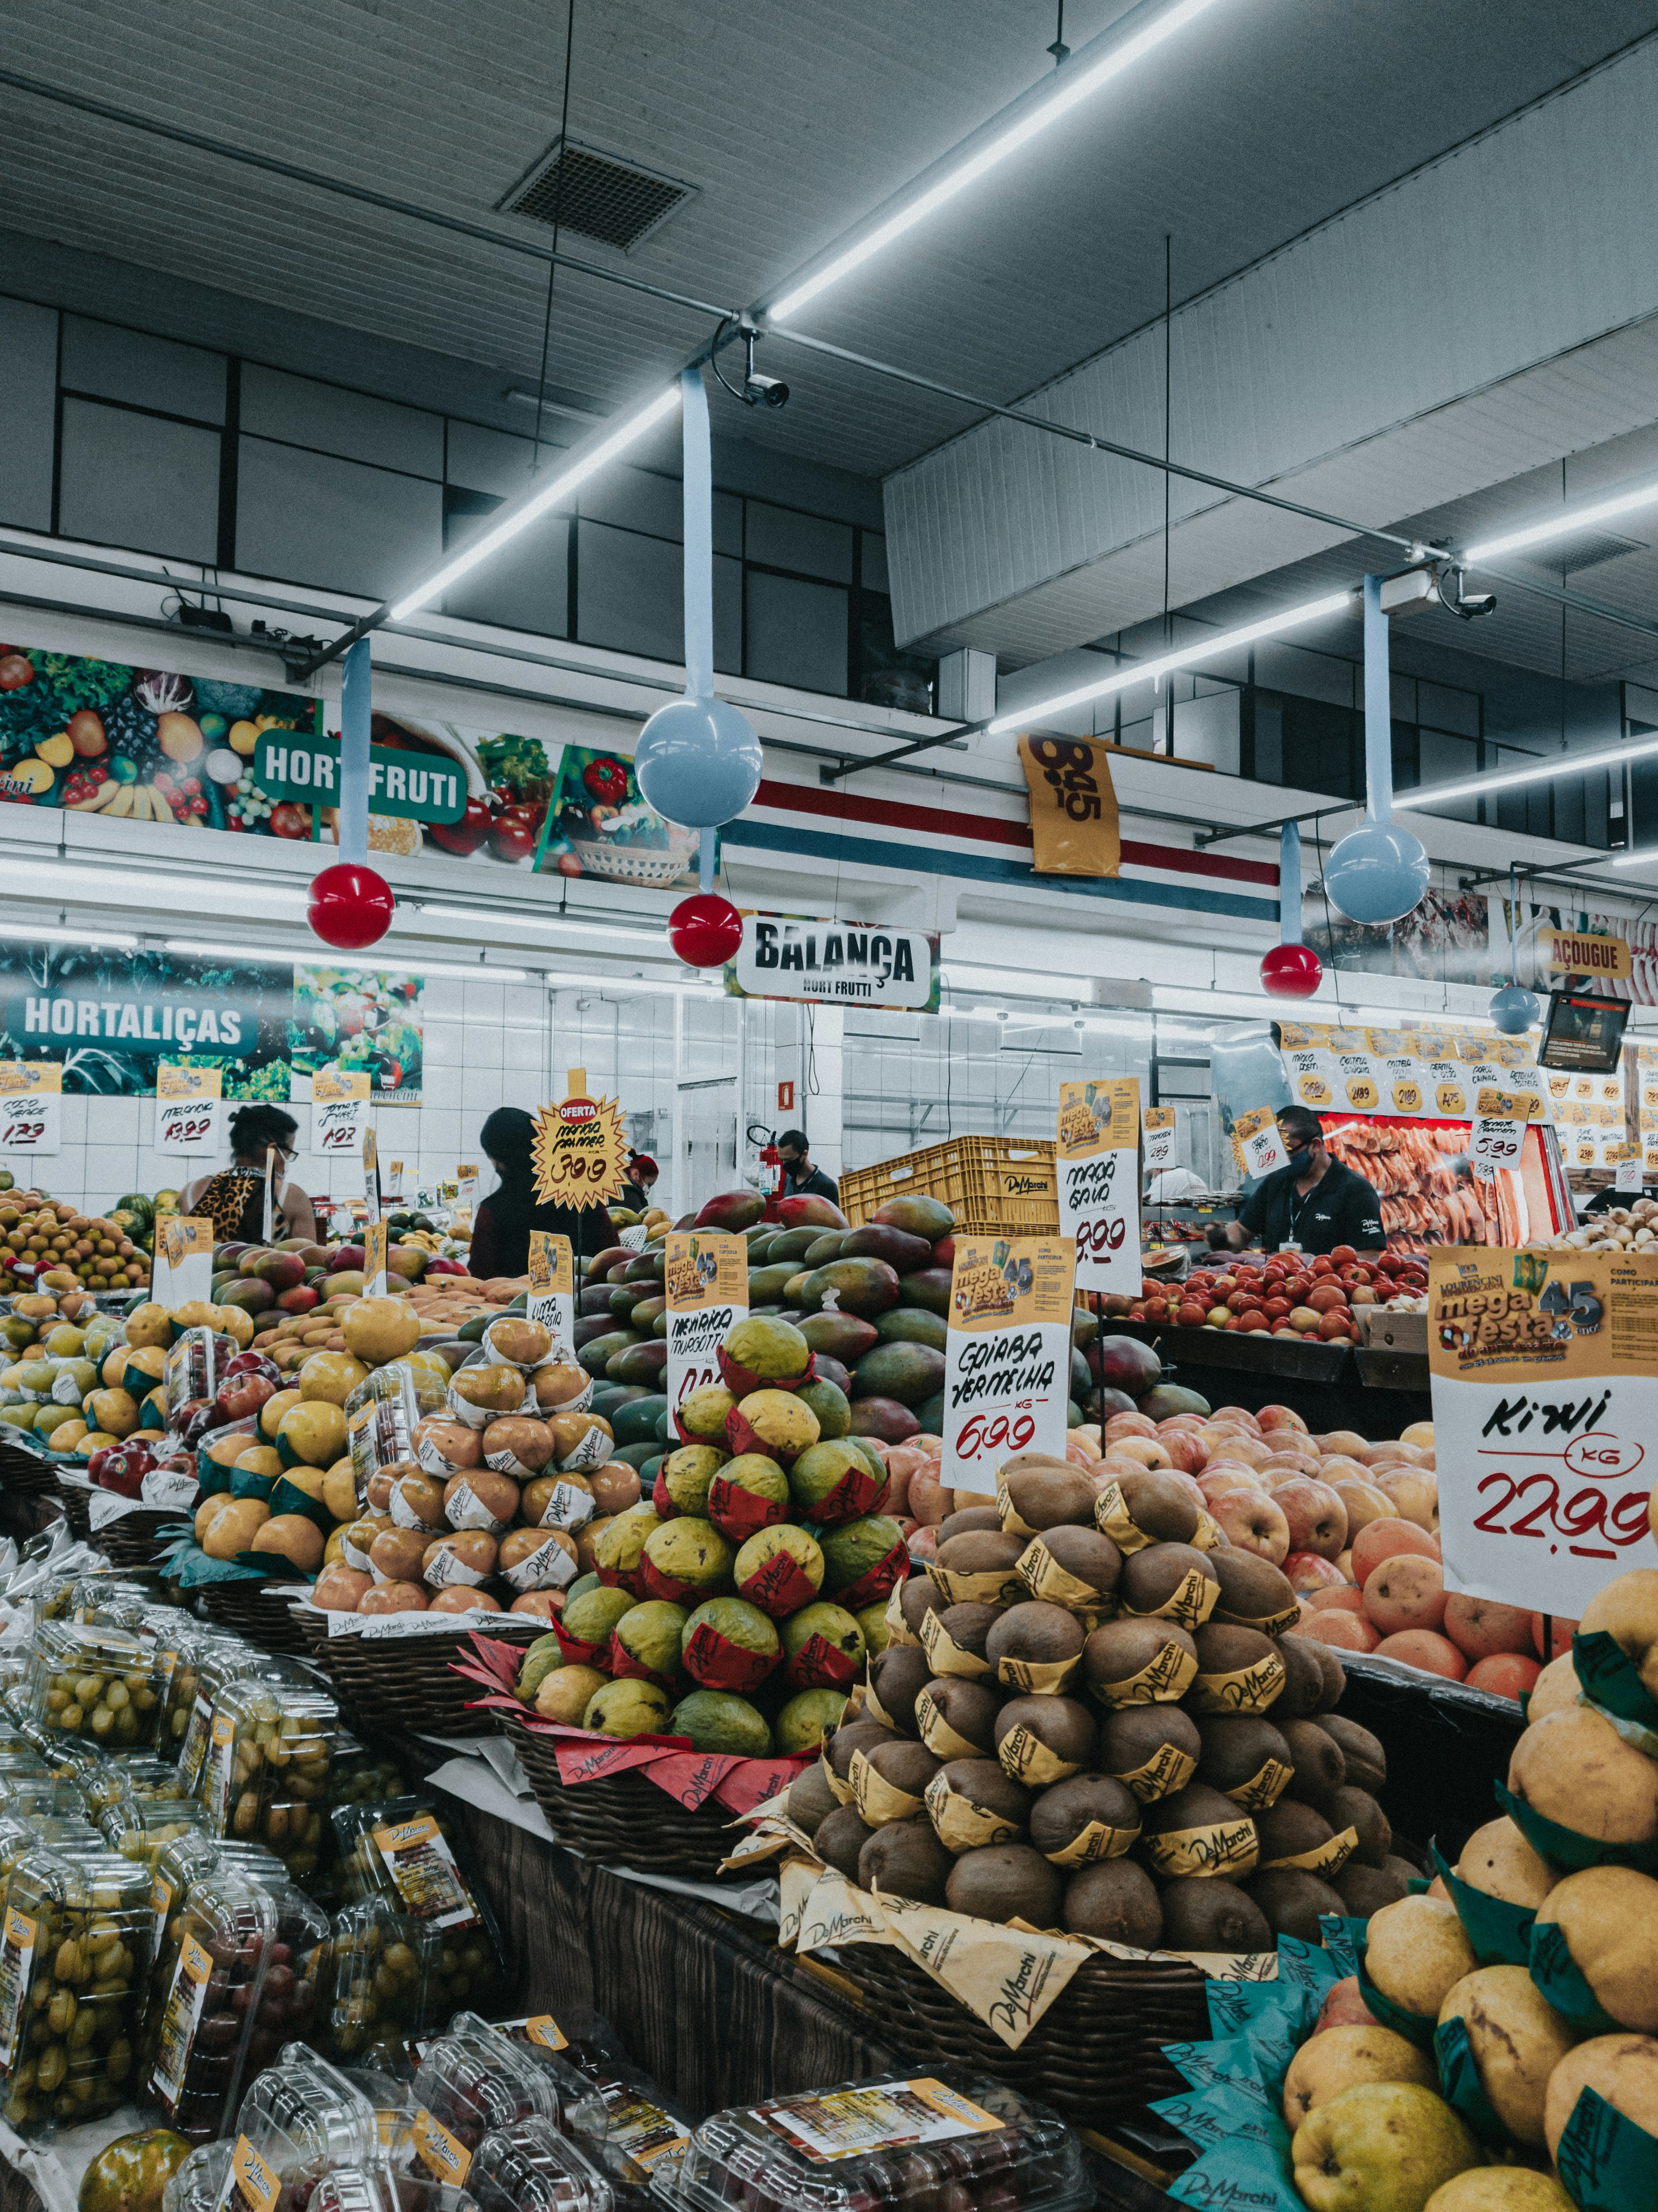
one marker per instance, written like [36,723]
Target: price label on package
[552,1289]
[1158,1140]
[376,1240]
[30,1106]
[183,1260]
[1495,1143]
[1258,1141]
[339,1111]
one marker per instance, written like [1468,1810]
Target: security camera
[757,390]
[1467,605]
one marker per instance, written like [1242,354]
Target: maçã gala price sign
[706,1282]
[1097,1156]
[1545,1406]
[551,1300]
[1007,1355]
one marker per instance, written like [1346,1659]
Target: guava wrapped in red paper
[779,1569]
[730,1644]
[837,1482]
[762,1353]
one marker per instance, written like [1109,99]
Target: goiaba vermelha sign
[404,786]
[791,956]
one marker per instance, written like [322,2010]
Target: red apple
[1504,1674]
[1480,1628]
[1311,1570]
[1316,1516]
[1250,1520]
[1332,1599]
[1189,1454]
[1415,1493]
[121,1467]
[1364,1503]
[1404,1593]
[1386,1539]
[1280,1417]
[241,1395]
[1420,1647]
[1129,1424]
[255,1363]
[1224,1481]
[441,1267]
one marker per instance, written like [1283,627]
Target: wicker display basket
[77,1501]
[411,1683]
[26,1473]
[1096,2055]
[258,1611]
[137,1539]
[622,1819]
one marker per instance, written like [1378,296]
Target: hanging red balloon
[351,906]
[705,930]
[1291,971]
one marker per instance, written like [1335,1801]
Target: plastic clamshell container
[578,2101]
[399,1849]
[96,1684]
[300,2120]
[472,2082]
[298,1962]
[898,2141]
[266,1772]
[141,1828]
[379,1980]
[361,1774]
[219,1975]
[181,1648]
[74,1949]
[532,2167]
[199,2183]
[194,1857]
[229,1661]
[393,2110]
[366,2189]
[106,1781]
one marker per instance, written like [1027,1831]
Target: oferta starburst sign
[580,1149]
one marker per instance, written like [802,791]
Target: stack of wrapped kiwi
[1092,1717]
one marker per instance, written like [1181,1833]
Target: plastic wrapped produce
[381,1416]
[141,1828]
[915,2144]
[73,1959]
[377,1982]
[299,1966]
[229,1661]
[101,1684]
[267,1767]
[218,1979]
[577,2103]
[181,1652]
[365,2189]
[400,1849]
[471,2083]
[103,1783]
[193,1857]
[533,2168]
[199,2184]
[300,2120]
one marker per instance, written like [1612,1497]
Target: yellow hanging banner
[1073,807]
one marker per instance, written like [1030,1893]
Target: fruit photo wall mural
[112,1018]
[144,745]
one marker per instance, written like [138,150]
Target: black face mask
[1298,1154]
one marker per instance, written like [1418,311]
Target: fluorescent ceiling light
[556,489]
[1145,671]
[113,938]
[1071,86]
[654,937]
[1563,523]
[523,398]
[1549,771]
[1224,1006]
[1405,1017]
[402,959]
[1641,858]
[113,884]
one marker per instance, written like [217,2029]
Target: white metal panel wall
[1531,240]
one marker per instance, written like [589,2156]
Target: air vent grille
[595,195]
[1590,549]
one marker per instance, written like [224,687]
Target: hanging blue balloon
[698,761]
[1514,1009]
[1377,873]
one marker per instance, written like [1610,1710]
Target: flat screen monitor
[1583,1031]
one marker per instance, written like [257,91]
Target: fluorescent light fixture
[1404,1018]
[652,937]
[401,958]
[556,489]
[1146,671]
[1564,523]
[114,883]
[1644,856]
[1071,86]
[113,939]
[1223,1006]
[1547,771]
[523,398]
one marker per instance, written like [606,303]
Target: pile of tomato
[1287,1295]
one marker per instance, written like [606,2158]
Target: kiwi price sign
[705,1283]
[1007,1355]
[1098,1156]
[1544,1370]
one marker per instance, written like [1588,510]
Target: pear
[1381,2147]
[1342,2057]
[1609,1917]
[1498,1860]
[1517,2040]
[1575,1769]
[1622,2069]
[1500,2188]
[1418,1952]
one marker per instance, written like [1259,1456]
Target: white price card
[1496,1142]
[1097,1152]
[1257,1139]
[1007,1355]
[30,1106]
[1157,1141]
[552,1289]
[183,1260]
[339,1111]
[1628,1175]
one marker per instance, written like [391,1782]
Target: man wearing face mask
[1311,1205]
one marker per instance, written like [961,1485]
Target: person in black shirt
[1314,1204]
[501,1229]
[800,1178]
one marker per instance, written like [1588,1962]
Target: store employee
[1314,1203]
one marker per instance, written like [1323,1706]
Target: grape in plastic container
[381,1416]
[400,1848]
[195,1366]
[953,2138]
[266,1772]
[474,2082]
[300,2120]
[637,2138]
[229,1661]
[532,2167]
[141,1828]
[193,1857]
[218,1979]
[73,1960]
[299,1966]
[379,1980]
[181,1651]
[99,1684]
[140,1776]
[371,2189]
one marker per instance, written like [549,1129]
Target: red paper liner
[718,1664]
[615,1578]
[655,1584]
[623,1667]
[741,1437]
[856,1493]
[781,1587]
[739,1513]
[820,1665]
[665,1508]
[576,1652]
[583,1755]
[876,1582]
[685,1435]
[754,1782]
[740,1380]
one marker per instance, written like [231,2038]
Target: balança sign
[853,964]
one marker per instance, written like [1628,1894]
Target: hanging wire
[558,210]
